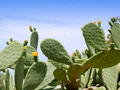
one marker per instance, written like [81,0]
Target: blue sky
[58,19]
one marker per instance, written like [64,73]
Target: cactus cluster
[94,69]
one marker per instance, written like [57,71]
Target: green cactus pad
[87,77]
[19,74]
[61,75]
[7,79]
[101,60]
[10,55]
[116,33]
[28,60]
[35,75]
[34,39]
[49,76]
[30,49]
[110,77]
[104,59]
[94,36]
[9,82]
[55,51]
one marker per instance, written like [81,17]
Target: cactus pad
[10,55]
[34,39]
[116,33]
[19,74]
[35,75]
[94,36]
[110,77]
[61,75]
[49,76]
[101,60]
[104,59]
[55,51]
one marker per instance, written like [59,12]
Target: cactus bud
[79,56]
[75,54]
[77,51]
[110,23]
[73,58]
[30,27]
[113,19]
[7,43]
[25,42]
[35,54]
[83,53]
[99,23]
[34,29]
[11,39]
[94,22]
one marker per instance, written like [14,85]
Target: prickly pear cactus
[115,31]
[10,55]
[48,77]
[101,60]
[94,36]
[104,59]
[35,76]
[34,39]
[110,77]
[19,74]
[61,75]
[55,51]
[29,59]
[9,82]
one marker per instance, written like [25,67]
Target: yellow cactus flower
[34,53]
[94,22]
[99,22]
[30,27]
[72,54]
[25,47]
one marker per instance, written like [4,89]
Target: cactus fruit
[25,42]
[55,51]
[94,36]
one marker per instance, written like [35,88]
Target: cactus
[69,72]
[55,51]
[115,32]
[94,36]
[110,77]
[35,76]
[34,39]
[19,74]
[49,76]
[61,75]
[9,83]
[10,55]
